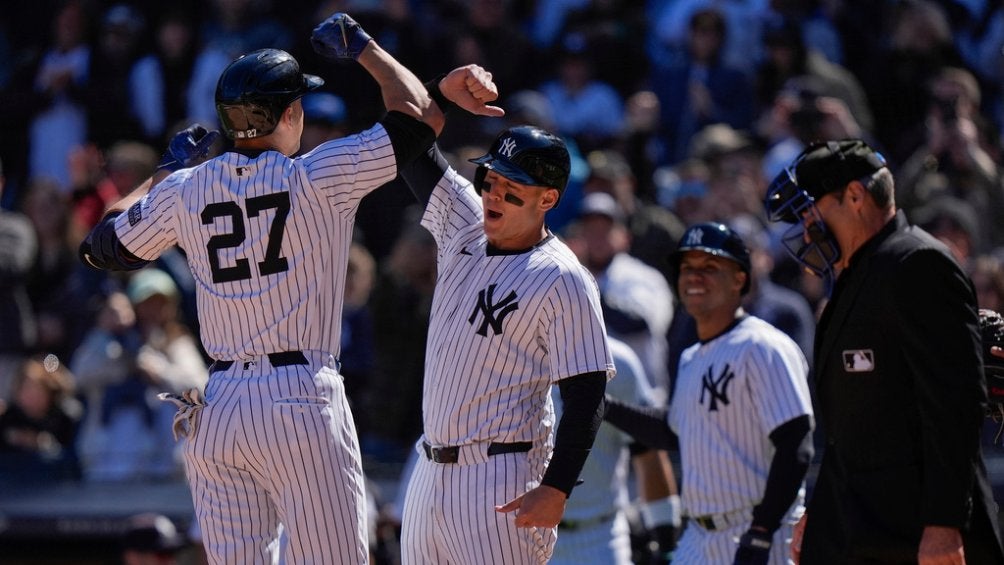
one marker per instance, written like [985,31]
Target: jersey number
[241,269]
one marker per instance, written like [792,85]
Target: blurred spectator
[981,46]
[60,122]
[118,436]
[486,33]
[59,296]
[151,539]
[531,107]
[168,360]
[324,118]
[616,32]
[159,80]
[815,20]
[38,428]
[357,327]
[743,19]
[953,158]
[591,111]
[788,56]
[640,141]
[735,182]
[233,28]
[102,178]
[653,231]
[953,221]
[110,90]
[802,113]
[779,306]
[683,188]
[919,45]
[987,273]
[636,299]
[18,252]
[698,88]
[549,20]
[400,304]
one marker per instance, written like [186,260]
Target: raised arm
[341,37]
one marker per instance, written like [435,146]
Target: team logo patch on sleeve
[859,361]
[135,214]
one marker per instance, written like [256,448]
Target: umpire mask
[807,240]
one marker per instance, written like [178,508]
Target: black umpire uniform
[900,397]
[898,369]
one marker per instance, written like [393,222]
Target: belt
[451,454]
[586,523]
[281,359]
[715,522]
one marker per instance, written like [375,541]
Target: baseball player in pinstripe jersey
[266,238]
[595,529]
[514,312]
[740,412]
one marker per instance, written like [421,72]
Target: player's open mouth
[694,291]
[494,215]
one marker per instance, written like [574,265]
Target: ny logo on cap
[507,147]
[695,237]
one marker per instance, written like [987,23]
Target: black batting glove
[662,544]
[187,148]
[754,548]
[339,37]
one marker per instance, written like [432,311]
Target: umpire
[898,373]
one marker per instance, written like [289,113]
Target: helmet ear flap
[479,178]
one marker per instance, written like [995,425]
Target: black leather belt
[451,454]
[706,522]
[281,359]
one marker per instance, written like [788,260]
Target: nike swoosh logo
[464,251]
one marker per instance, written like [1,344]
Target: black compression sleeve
[409,136]
[793,443]
[647,426]
[581,416]
[422,174]
[101,249]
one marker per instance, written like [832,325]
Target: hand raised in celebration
[471,88]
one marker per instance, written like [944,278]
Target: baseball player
[595,528]
[267,238]
[514,312]
[740,412]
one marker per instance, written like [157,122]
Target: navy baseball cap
[828,166]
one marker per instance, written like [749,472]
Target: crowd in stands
[675,111]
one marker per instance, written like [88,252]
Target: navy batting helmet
[527,155]
[254,90]
[716,239]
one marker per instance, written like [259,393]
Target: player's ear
[549,199]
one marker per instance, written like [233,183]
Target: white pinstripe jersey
[504,327]
[606,469]
[731,393]
[267,240]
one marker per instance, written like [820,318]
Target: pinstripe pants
[450,517]
[698,546]
[278,445]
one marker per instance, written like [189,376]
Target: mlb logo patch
[859,360]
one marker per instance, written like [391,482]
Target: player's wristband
[661,512]
[437,95]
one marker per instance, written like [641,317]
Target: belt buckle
[441,454]
[445,455]
[706,522]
